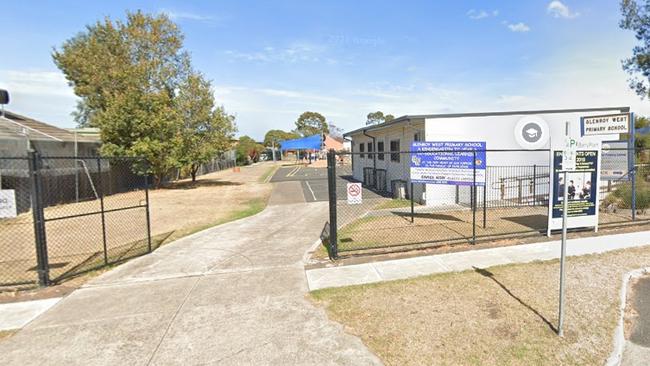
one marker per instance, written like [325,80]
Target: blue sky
[270,61]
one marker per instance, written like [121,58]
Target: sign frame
[627,124]
[458,163]
[354,193]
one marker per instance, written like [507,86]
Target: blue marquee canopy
[306,143]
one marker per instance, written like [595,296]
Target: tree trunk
[193,170]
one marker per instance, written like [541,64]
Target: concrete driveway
[230,295]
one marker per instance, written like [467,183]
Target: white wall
[394,170]
[499,133]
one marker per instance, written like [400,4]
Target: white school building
[510,130]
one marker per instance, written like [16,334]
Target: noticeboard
[582,184]
[448,162]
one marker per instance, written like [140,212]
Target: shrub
[622,196]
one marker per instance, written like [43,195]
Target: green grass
[395,203]
[251,207]
[268,174]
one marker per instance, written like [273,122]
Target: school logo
[531,132]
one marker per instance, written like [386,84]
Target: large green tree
[205,131]
[248,150]
[636,17]
[311,123]
[274,137]
[375,118]
[136,84]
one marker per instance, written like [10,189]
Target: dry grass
[4,334]
[501,316]
[76,245]
[377,228]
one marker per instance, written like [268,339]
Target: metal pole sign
[355,192]
[568,164]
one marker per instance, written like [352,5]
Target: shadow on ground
[485,273]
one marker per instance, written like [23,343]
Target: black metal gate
[74,215]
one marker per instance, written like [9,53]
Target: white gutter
[33,129]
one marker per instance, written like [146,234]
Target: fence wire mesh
[74,215]
[503,201]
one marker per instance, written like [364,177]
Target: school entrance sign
[605,125]
[446,162]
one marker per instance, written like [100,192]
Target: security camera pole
[568,164]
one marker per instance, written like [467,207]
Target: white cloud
[40,94]
[519,27]
[480,14]
[295,52]
[189,16]
[559,10]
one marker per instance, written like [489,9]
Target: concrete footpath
[230,295]
[357,274]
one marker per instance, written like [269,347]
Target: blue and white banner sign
[448,162]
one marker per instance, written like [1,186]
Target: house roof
[479,114]
[16,126]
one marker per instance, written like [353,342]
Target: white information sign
[7,203]
[605,125]
[354,193]
[569,154]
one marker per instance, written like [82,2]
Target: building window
[361,149]
[370,156]
[380,150]
[417,136]
[394,149]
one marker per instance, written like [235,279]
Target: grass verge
[4,334]
[395,203]
[499,316]
[268,174]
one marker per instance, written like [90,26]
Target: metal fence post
[146,197]
[412,205]
[534,184]
[485,205]
[474,199]
[43,267]
[101,206]
[633,164]
[331,185]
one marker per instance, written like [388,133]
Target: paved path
[356,274]
[637,348]
[230,295]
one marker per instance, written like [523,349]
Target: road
[313,182]
[230,295]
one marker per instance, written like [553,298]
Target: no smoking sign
[354,193]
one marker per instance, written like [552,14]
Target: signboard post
[568,164]
[7,203]
[355,192]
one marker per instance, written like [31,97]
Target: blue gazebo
[314,142]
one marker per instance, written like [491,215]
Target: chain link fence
[72,215]
[499,201]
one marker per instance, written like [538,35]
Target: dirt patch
[74,244]
[500,316]
[390,234]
